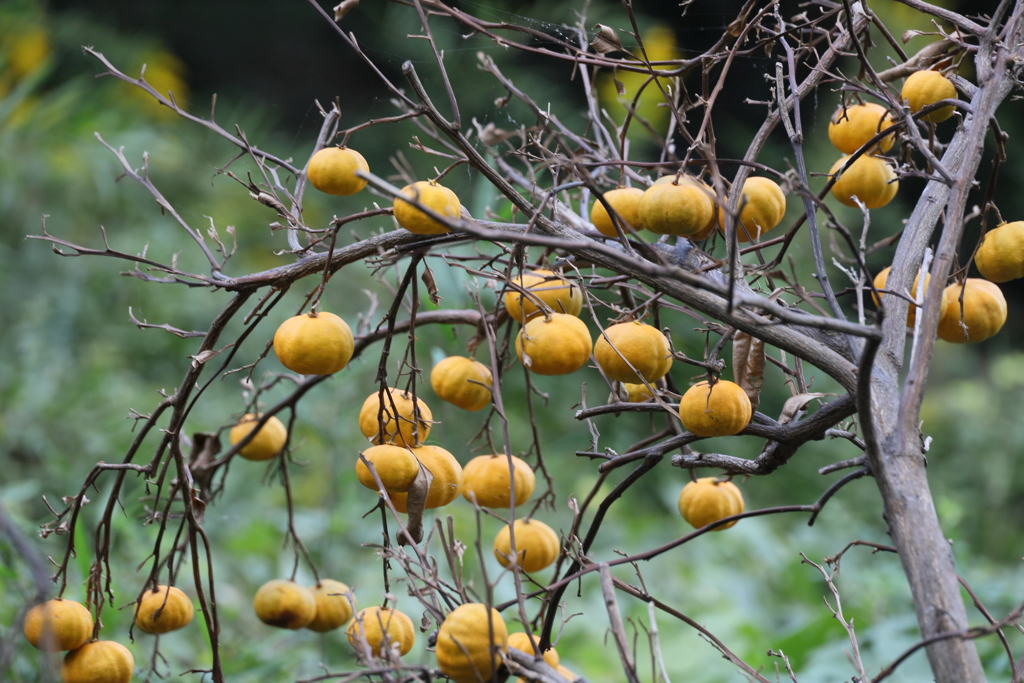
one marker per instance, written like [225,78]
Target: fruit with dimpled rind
[644,347]
[762,206]
[851,127]
[521,641]
[396,466]
[626,202]
[334,605]
[554,345]
[409,430]
[557,293]
[1000,257]
[435,197]
[285,604]
[463,382]
[332,170]
[883,277]
[374,623]
[446,481]
[101,661]
[165,610]
[676,208]
[467,642]
[314,345]
[984,311]
[923,88]
[720,410]
[267,443]
[57,625]
[868,178]
[708,500]
[537,545]
[485,479]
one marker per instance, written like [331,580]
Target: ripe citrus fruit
[396,466]
[410,429]
[167,609]
[333,170]
[554,345]
[923,88]
[334,604]
[285,604]
[868,178]
[722,409]
[57,625]
[882,278]
[101,661]
[557,293]
[676,208]
[708,500]
[851,127]
[463,382]
[521,641]
[763,207]
[381,627]
[485,480]
[445,484]
[435,197]
[468,643]
[537,545]
[319,344]
[1000,257]
[267,443]
[634,344]
[984,311]
[637,393]
[625,201]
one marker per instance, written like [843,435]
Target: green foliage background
[74,366]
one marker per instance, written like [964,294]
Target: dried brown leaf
[748,365]
[415,503]
[428,280]
[792,407]
[606,40]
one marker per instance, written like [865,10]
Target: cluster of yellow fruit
[60,624]
[870,178]
[682,205]
[321,608]
[984,308]
[332,170]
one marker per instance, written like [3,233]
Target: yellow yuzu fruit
[851,127]
[320,344]
[635,344]
[267,443]
[463,382]
[556,344]
[486,481]
[625,201]
[1000,257]
[164,610]
[332,170]
[868,178]
[57,625]
[708,500]
[396,466]
[557,293]
[722,409]
[923,88]
[984,311]
[446,482]
[436,197]
[408,430]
